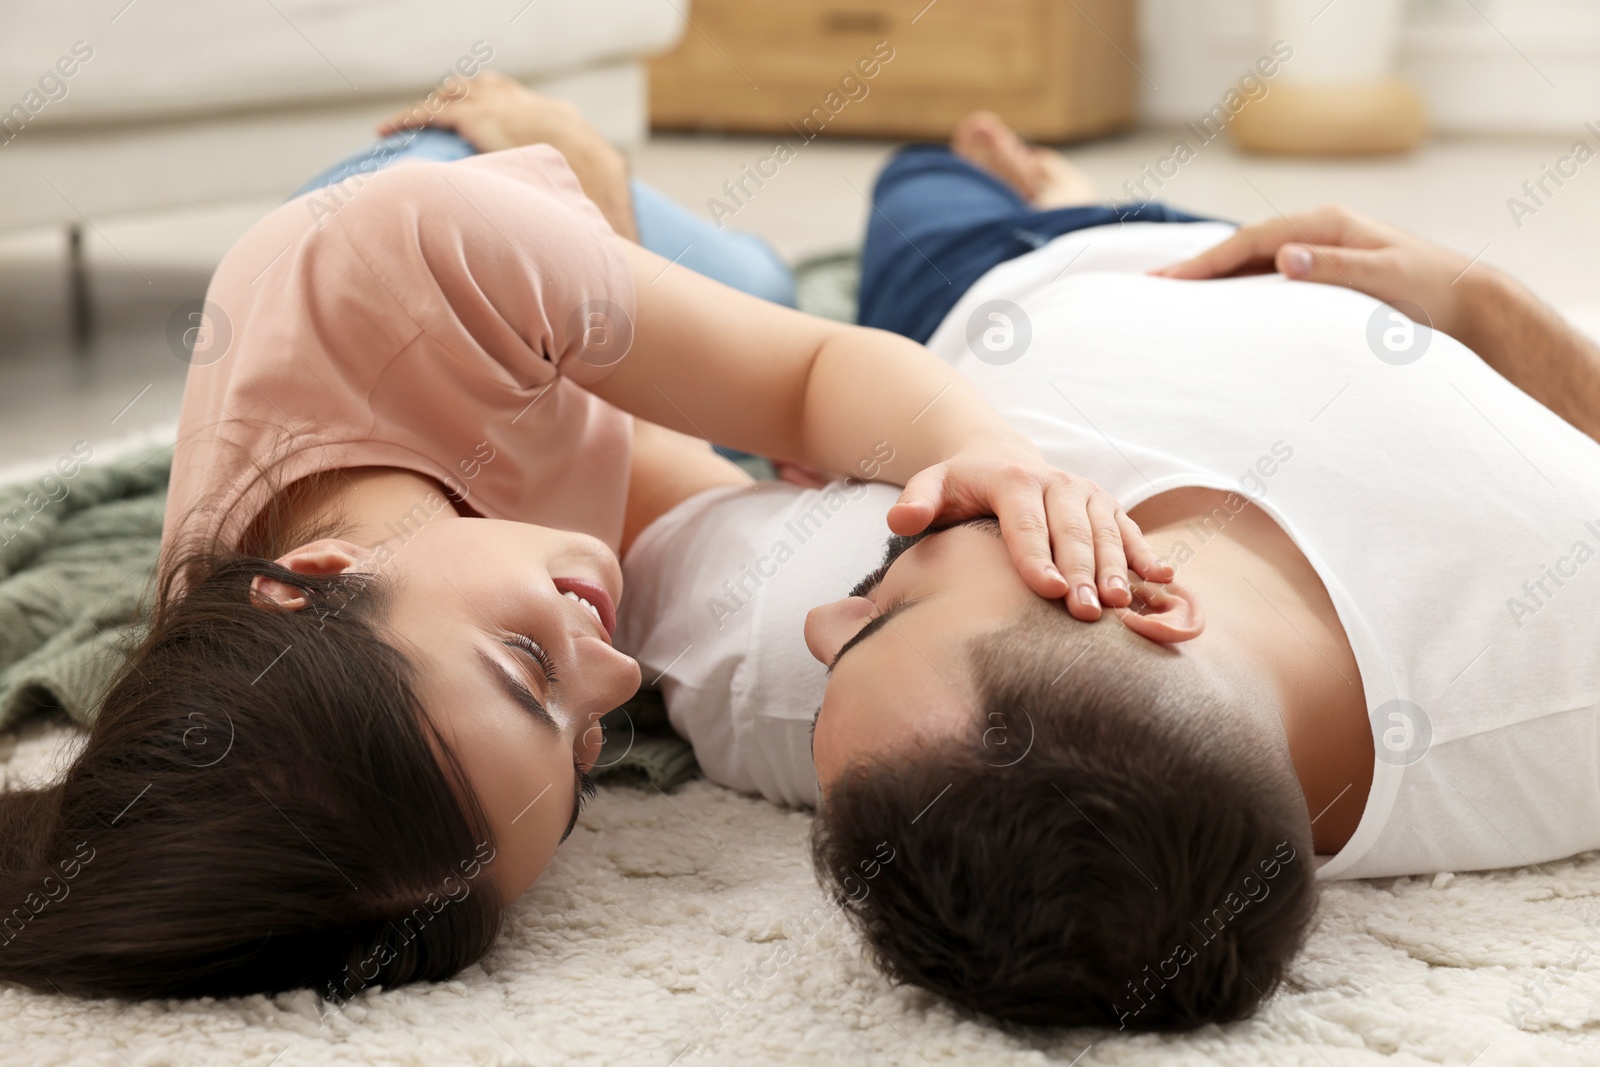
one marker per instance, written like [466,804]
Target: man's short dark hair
[1138,867]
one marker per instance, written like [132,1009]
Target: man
[1377,658]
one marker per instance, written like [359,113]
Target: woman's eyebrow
[515,688]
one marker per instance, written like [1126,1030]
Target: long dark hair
[261,804]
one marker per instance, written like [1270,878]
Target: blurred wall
[1496,66]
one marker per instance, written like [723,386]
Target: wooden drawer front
[953,44]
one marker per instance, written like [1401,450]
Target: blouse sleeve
[499,258]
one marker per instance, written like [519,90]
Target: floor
[142,269]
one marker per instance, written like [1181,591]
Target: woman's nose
[601,679]
[828,627]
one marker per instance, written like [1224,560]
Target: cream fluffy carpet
[687,929]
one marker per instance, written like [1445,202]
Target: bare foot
[982,138]
[1042,176]
[1065,185]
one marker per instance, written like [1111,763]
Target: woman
[361,720]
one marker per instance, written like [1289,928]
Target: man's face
[897,645]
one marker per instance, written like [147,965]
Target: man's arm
[1525,339]
[1483,308]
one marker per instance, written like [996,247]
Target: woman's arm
[666,469]
[710,361]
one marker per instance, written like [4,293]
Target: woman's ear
[1167,614]
[275,595]
[327,556]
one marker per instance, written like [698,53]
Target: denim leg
[440,146]
[925,207]
[740,260]
[940,223]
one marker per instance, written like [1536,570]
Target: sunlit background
[139,139]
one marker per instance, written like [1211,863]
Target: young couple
[391,579]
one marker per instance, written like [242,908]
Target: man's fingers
[1251,245]
[1214,262]
[1367,271]
[1259,244]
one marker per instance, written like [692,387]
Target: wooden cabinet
[1055,69]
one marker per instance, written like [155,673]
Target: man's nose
[828,627]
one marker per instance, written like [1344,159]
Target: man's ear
[1167,614]
[327,556]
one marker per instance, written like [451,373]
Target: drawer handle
[854,22]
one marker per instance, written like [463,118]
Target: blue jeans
[741,261]
[938,224]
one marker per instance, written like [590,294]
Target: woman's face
[509,628]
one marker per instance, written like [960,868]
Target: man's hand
[1336,246]
[1483,308]
[1067,536]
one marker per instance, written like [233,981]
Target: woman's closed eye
[583,786]
[536,652]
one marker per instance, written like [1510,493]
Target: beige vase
[1339,94]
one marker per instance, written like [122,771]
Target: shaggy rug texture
[686,929]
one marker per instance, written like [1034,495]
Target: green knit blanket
[75,578]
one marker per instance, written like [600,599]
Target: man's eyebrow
[515,688]
[869,629]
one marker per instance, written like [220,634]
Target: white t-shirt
[1451,518]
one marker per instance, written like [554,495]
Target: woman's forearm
[729,367]
[869,387]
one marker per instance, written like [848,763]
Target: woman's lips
[594,593]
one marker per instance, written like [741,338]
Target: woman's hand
[1067,536]
[1336,246]
[492,112]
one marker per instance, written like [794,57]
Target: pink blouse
[438,317]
